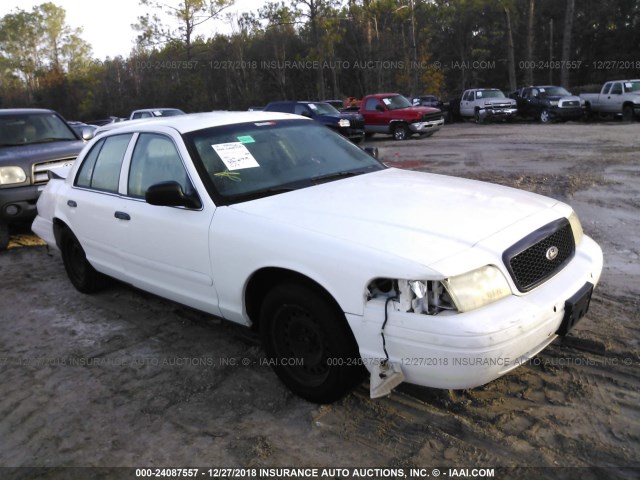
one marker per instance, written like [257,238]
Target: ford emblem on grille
[552,253]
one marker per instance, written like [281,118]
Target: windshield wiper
[335,176]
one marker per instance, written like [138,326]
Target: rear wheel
[400,132]
[308,343]
[80,272]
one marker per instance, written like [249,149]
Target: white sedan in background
[272,221]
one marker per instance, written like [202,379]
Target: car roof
[154,109]
[197,121]
[13,111]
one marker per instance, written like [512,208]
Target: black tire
[400,132]
[300,324]
[80,272]
[4,236]
[544,116]
[368,135]
[477,118]
[627,113]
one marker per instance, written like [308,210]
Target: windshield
[169,112]
[30,128]
[395,102]
[323,109]
[252,160]
[553,92]
[633,86]
[490,94]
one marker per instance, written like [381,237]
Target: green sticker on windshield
[246,139]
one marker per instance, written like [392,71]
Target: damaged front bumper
[428,127]
[497,113]
[454,350]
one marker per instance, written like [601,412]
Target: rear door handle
[122,216]
[72,203]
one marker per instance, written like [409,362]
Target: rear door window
[100,169]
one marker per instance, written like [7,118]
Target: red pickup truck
[393,114]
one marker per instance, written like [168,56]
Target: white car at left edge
[342,264]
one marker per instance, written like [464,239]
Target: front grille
[40,170]
[432,117]
[531,261]
[356,123]
[570,103]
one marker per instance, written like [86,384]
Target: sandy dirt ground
[123,378]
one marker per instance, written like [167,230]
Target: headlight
[11,175]
[477,288]
[576,228]
[582,102]
[343,122]
[553,103]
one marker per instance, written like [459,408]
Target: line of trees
[316,49]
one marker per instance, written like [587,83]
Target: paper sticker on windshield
[245,139]
[628,85]
[387,101]
[235,156]
[479,94]
[264,124]
[542,90]
[312,106]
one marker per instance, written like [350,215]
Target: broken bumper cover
[431,126]
[466,350]
[498,113]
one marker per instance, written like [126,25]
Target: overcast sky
[106,24]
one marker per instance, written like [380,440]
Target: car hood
[498,101]
[418,110]
[26,155]
[562,97]
[418,216]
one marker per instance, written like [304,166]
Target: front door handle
[122,216]
[72,203]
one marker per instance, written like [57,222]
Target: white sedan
[272,221]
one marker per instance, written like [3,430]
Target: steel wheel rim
[297,336]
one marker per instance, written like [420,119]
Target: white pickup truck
[618,97]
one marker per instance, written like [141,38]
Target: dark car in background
[348,124]
[427,101]
[548,103]
[33,142]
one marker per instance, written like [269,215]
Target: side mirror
[373,151]
[170,194]
[306,113]
[87,133]
[379,108]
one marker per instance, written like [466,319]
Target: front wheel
[401,132]
[544,116]
[627,113]
[308,343]
[4,236]
[80,272]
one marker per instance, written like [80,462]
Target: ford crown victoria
[275,222]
